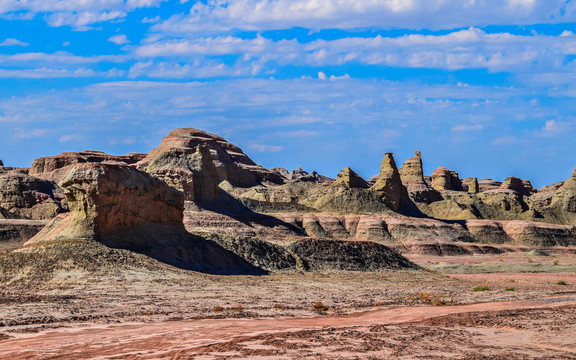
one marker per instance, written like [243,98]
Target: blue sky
[484,87]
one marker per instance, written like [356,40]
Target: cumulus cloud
[119,39]
[255,15]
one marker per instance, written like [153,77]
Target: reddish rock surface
[55,167]
[179,150]
[488,184]
[444,179]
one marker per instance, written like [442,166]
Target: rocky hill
[198,202]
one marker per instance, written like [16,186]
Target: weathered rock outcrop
[124,208]
[349,179]
[300,175]
[191,150]
[488,184]
[522,187]
[389,185]
[1,163]
[55,167]
[473,187]
[412,176]
[27,197]
[563,202]
[106,199]
[444,179]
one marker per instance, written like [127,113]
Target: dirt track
[232,338]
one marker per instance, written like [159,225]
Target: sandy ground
[373,333]
[388,315]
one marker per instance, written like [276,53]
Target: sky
[483,87]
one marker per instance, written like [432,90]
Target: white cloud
[264,148]
[46,73]
[29,133]
[356,120]
[505,140]
[470,127]
[464,49]
[256,15]
[69,138]
[76,13]
[13,42]
[119,39]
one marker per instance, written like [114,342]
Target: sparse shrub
[280,307]
[561,282]
[377,304]
[510,289]
[530,261]
[217,309]
[238,308]
[320,307]
[555,262]
[481,288]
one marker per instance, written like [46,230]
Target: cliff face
[108,198]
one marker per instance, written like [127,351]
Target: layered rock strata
[55,167]
[412,177]
[181,147]
[444,179]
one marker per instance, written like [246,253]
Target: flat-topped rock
[55,167]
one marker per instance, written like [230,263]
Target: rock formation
[412,176]
[191,150]
[109,198]
[488,184]
[300,175]
[1,163]
[27,197]
[285,174]
[389,185]
[349,179]
[563,202]
[444,179]
[55,167]
[515,184]
[473,187]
